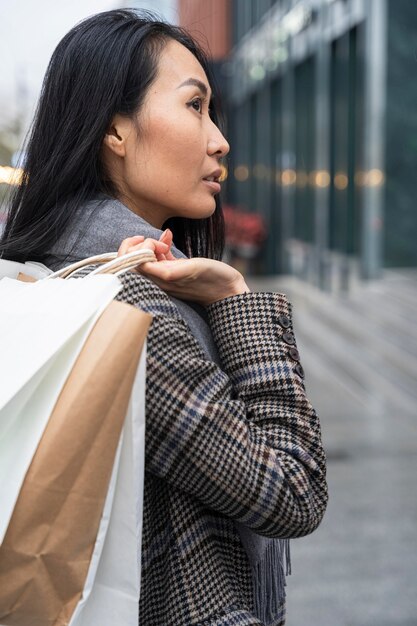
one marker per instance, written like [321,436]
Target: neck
[149,216]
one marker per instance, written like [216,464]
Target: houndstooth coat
[240,442]
[237,443]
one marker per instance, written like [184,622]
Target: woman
[125,143]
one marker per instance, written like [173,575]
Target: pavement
[359,352]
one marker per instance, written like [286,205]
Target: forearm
[258,352]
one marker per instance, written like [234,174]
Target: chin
[209,211]
[199,212]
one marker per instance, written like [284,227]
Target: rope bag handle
[109,263]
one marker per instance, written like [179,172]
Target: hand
[161,247]
[198,279]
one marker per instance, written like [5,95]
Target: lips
[212,180]
[214,176]
[213,184]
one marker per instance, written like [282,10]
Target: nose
[217,144]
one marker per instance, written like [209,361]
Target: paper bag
[112,589]
[43,327]
[54,531]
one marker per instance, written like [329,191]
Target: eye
[199,104]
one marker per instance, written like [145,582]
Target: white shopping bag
[43,326]
[12,269]
[44,330]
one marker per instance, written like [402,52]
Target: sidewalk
[360,356]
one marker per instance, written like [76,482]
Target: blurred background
[320,100]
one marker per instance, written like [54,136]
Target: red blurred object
[245,232]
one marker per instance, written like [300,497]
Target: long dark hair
[103,66]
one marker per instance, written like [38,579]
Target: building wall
[400,241]
[309,87]
[209,22]
[247,14]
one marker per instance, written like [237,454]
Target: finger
[128,243]
[131,244]
[167,270]
[150,244]
[166,236]
[155,245]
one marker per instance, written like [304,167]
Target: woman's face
[162,171]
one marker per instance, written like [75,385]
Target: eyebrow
[196,83]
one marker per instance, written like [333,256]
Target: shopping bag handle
[109,263]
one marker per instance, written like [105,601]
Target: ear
[116,135]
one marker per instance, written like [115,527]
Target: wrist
[236,289]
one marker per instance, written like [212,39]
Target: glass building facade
[323,133]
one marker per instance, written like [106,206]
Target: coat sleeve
[243,439]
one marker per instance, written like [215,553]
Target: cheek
[177,138]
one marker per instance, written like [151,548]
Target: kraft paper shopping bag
[105,603]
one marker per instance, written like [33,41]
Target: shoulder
[140,291]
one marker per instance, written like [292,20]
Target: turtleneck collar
[99,226]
